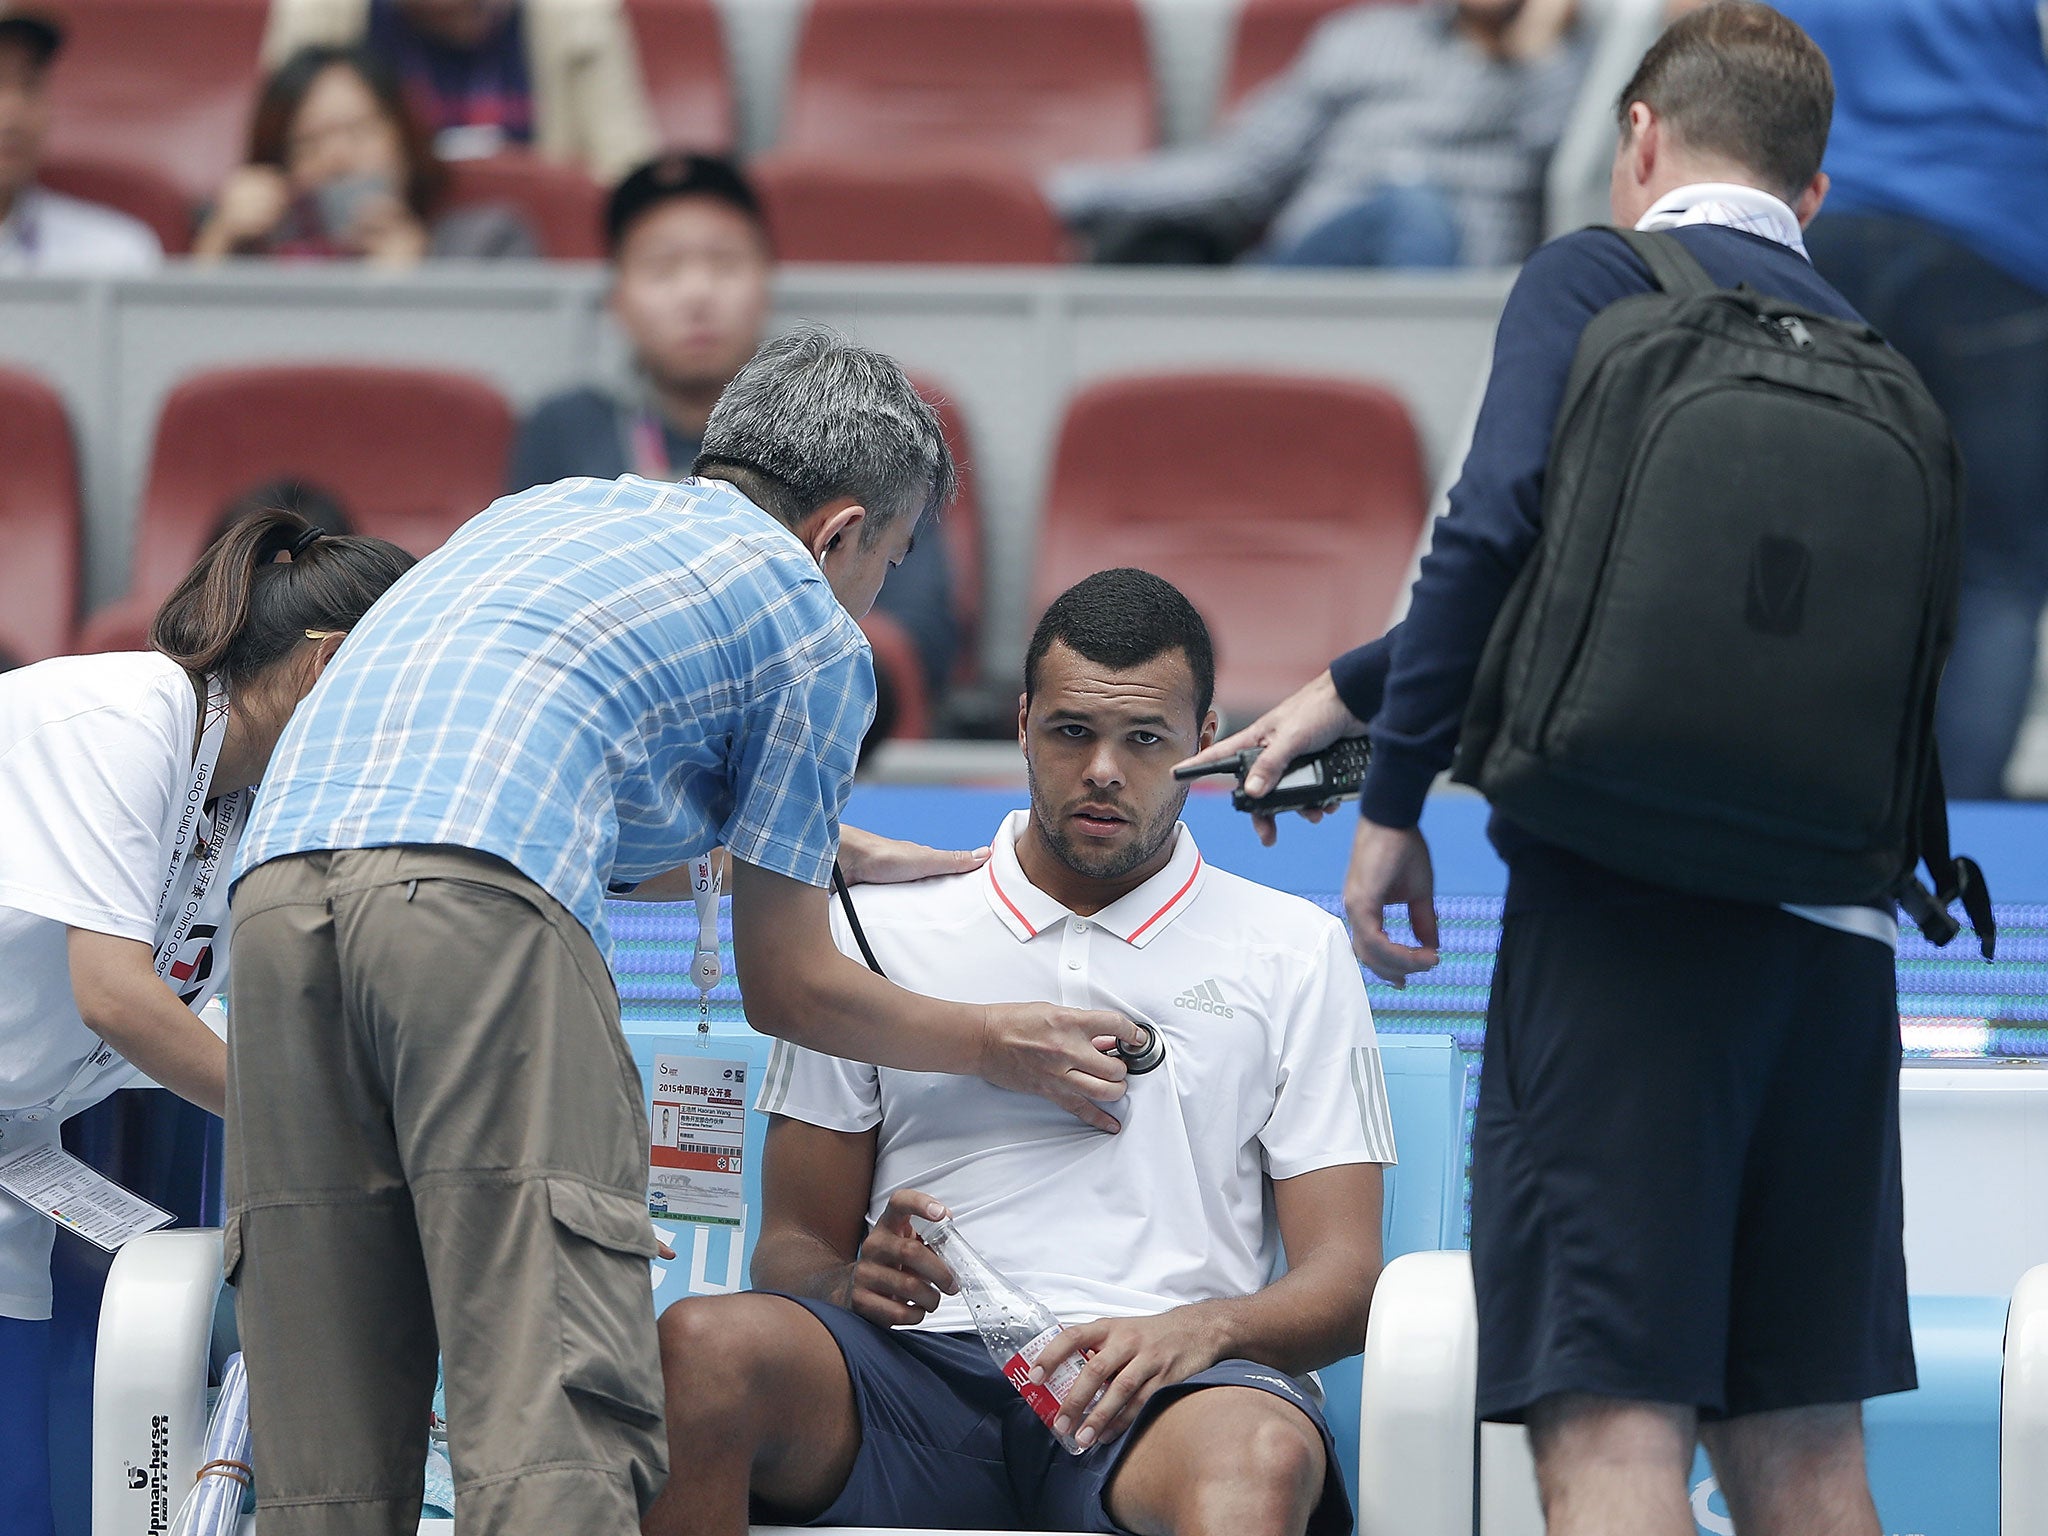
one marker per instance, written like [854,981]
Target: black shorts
[947,1443]
[1685,1171]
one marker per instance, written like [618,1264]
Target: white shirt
[47,232]
[1731,205]
[1272,1071]
[95,754]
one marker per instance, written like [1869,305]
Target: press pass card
[696,1128]
[78,1198]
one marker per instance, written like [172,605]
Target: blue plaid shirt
[595,681]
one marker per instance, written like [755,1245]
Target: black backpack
[1717,671]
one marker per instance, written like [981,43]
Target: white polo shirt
[1272,1071]
[48,233]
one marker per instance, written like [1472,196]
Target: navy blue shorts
[946,1442]
[1685,1170]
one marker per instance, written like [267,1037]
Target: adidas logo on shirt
[1206,998]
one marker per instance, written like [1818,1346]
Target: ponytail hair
[241,607]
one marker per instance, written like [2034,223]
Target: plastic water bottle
[1015,1325]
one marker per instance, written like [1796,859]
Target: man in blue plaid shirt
[435,1128]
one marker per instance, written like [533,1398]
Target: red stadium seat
[164,83]
[960,527]
[38,520]
[136,190]
[560,203]
[976,210]
[1269,36]
[412,454]
[682,59]
[1042,81]
[1287,508]
[123,625]
[896,659]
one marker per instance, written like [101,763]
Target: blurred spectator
[1404,136]
[338,166]
[315,503]
[692,266]
[485,76]
[41,230]
[1936,228]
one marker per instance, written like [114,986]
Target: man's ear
[835,523]
[1810,200]
[1645,143]
[1023,714]
[1208,738]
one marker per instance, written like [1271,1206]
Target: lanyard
[199,846]
[21,234]
[187,879]
[650,447]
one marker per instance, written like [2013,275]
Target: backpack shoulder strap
[1672,267]
[1955,879]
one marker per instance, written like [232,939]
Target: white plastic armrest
[2023,1413]
[149,1379]
[1415,1418]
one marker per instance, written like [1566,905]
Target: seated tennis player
[850,1388]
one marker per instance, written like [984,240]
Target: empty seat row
[962,209]
[1290,565]
[410,453]
[151,104]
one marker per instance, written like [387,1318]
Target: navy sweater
[1412,683]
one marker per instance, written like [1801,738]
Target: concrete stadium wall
[1008,344]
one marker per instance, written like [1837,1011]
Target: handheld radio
[1321,778]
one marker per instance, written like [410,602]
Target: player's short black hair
[1123,618]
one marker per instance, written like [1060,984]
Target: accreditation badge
[697,1119]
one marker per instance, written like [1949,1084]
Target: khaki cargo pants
[436,1135]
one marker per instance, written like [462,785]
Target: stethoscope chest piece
[1140,1059]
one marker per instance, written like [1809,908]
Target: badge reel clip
[1318,779]
[706,969]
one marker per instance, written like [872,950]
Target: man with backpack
[1683,624]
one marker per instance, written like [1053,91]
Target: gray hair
[817,418]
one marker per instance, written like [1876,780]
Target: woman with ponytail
[125,782]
